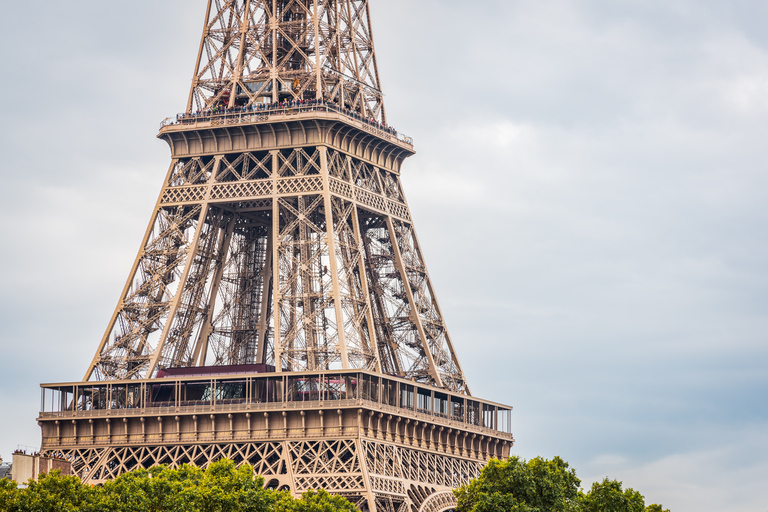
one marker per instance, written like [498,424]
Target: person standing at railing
[303,105]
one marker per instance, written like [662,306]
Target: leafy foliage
[222,487]
[54,492]
[538,485]
[541,485]
[514,485]
[312,501]
[607,496]
[8,494]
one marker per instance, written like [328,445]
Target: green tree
[313,501]
[159,489]
[8,495]
[608,496]
[222,487]
[515,485]
[226,488]
[54,492]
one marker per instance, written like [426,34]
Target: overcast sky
[590,191]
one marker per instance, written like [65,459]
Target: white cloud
[499,136]
[749,94]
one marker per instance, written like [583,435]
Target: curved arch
[442,501]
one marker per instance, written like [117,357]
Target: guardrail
[265,391]
[258,113]
[211,408]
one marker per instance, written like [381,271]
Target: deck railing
[263,112]
[267,391]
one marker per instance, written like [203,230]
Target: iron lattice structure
[287,48]
[282,251]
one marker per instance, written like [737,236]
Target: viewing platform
[263,405]
[269,112]
[227,392]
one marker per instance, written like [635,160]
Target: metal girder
[327,274]
[257,50]
[282,239]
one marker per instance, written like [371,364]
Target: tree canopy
[514,485]
[538,485]
[541,485]
[608,496]
[222,487]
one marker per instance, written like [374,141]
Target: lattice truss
[391,466]
[395,473]
[304,279]
[333,465]
[429,319]
[257,50]
[95,465]
[327,465]
[150,297]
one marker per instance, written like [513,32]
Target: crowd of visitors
[281,106]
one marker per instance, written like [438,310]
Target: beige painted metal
[282,237]
[258,50]
[415,318]
[352,433]
[338,220]
[329,223]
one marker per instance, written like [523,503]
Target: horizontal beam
[223,193]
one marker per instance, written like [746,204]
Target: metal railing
[211,407]
[263,112]
[268,391]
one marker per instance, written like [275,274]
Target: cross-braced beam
[254,51]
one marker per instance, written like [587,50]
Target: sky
[589,189]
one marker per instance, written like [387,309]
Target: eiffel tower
[279,311]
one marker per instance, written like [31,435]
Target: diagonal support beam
[201,346]
[415,318]
[176,302]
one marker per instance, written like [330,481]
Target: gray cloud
[590,193]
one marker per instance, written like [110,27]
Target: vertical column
[366,476]
[276,293]
[273,69]
[267,285]
[380,99]
[288,458]
[355,58]
[329,226]
[244,26]
[318,72]
[366,292]
[337,45]
[195,79]
[201,347]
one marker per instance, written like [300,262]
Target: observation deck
[201,408]
[285,125]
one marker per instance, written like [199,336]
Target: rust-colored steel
[282,238]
